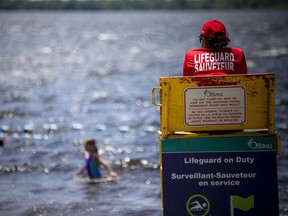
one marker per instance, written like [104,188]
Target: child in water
[93,160]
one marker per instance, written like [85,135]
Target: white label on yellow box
[215,105]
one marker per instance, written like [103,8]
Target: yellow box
[216,103]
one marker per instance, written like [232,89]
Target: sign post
[217,146]
[234,175]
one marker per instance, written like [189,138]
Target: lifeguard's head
[214,34]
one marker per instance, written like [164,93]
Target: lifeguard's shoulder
[199,50]
[196,51]
[237,49]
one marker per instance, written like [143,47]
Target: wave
[136,163]
[276,52]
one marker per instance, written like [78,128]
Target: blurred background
[73,69]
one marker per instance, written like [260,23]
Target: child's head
[90,145]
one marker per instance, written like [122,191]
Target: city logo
[198,205]
[208,93]
[257,145]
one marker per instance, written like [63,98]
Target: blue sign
[220,176]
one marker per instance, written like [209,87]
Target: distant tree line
[140,4]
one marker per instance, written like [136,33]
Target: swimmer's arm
[80,171]
[106,165]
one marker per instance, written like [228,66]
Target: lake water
[69,75]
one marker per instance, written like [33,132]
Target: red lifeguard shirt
[211,61]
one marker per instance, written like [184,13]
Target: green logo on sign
[198,205]
[257,145]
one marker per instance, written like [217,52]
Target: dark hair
[215,42]
[92,142]
[219,44]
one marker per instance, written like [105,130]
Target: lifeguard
[214,57]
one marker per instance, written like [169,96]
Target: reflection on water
[66,76]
